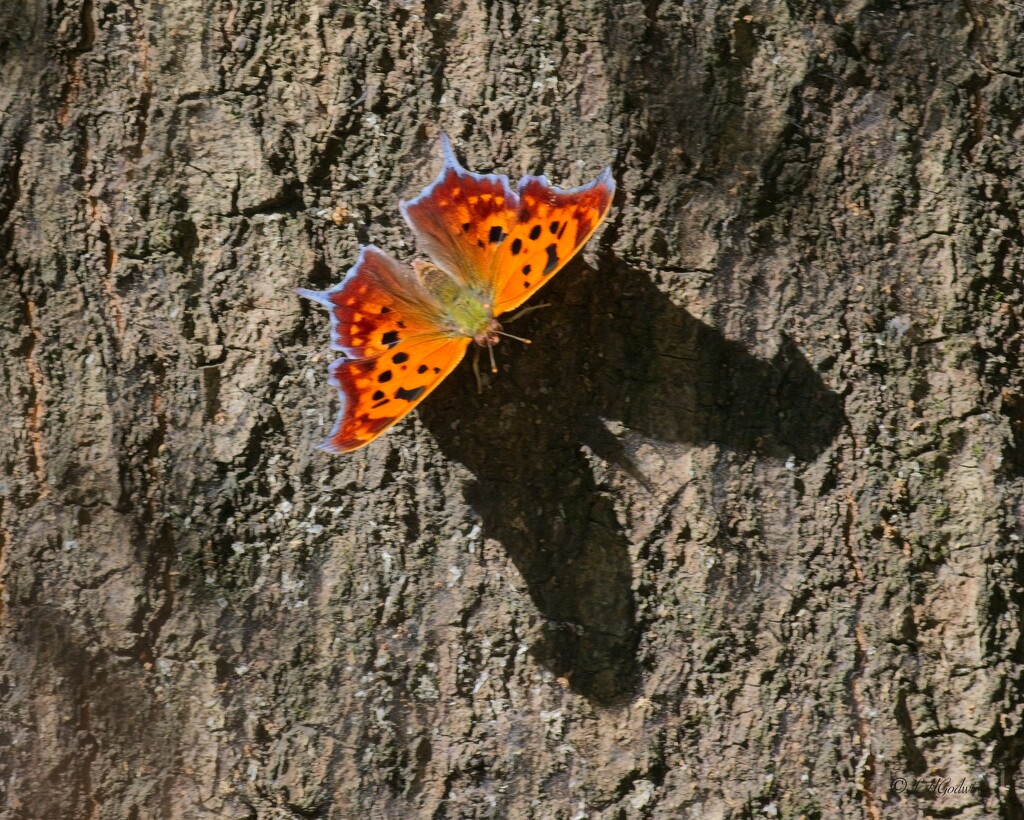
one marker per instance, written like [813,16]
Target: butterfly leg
[524,311]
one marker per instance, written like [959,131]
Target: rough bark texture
[737,536]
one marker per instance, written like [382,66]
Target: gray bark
[736,536]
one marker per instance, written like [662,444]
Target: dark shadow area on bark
[96,695]
[612,348]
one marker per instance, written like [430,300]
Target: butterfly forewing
[500,243]
[377,392]
[550,228]
[396,341]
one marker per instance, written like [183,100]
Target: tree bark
[738,535]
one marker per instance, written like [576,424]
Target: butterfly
[402,329]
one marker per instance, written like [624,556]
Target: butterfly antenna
[517,338]
[476,370]
[490,352]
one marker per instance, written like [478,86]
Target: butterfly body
[402,329]
[467,311]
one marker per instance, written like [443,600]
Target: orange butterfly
[402,330]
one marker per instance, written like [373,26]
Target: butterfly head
[488,335]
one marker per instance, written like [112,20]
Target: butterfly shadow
[612,348]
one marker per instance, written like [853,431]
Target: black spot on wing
[466,226]
[410,395]
[496,234]
[517,245]
[552,251]
[384,310]
[553,227]
[535,232]
[389,338]
[527,269]
[398,358]
[385,376]
[381,403]
[377,395]
[422,368]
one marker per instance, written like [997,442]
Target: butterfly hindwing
[378,304]
[460,219]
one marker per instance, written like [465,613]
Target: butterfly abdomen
[468,312]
